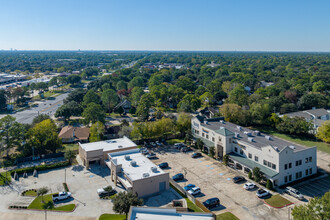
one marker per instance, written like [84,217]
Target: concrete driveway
[215,180]
[81,182]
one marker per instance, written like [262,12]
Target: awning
[206,142]
[251,164]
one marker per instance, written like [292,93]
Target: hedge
[40,168]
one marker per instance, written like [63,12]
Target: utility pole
[65,175]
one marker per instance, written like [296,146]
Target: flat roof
[108,145]
[146,213]
[259,141]
[143,167]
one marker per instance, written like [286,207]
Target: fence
[26,159]
[185,194]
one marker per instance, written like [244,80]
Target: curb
[42,210]
[275,206]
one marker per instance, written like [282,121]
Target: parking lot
[314,188]
[215,180]
[82,184]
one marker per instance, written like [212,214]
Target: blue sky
[214,25]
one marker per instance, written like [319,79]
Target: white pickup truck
[61,196]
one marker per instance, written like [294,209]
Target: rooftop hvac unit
[276,148]
[127,157]
[292,147]
[268,138]
[153,169]
[206,122]
[145,175]
[222,121]
[133,163]
[257,133]
[221,127]
[237,135]
[248,133]
[251,139]
[239,128]
[120,146]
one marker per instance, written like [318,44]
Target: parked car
[185,149]
[293,192]
[194,191]
[103,192]
[153,144]
[179,145]
[163,165]
[237,179]
[248,186]
[151,156]
[61,196]
[158,143]
[262,193]
[145,152]
[212,202]
[178,176]
[196,155]
[189,187]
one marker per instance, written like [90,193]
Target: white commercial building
[97,152]
[279,160]
[137,173]
[147,213]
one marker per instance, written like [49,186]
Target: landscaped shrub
[66,188]
[269,185]
[40,168]
[250,175]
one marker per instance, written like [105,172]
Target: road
[48,107]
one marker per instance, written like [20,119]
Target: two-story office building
[279,160]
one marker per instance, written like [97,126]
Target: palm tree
[48,205]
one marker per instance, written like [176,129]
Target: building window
[298,175]
[274,166]
[235,149]
[203,134]
[256,158]
[219,138]
[306,160]
[306,172]
[241,151]
[310,171]
[213,139]
[250,155]
[285,166]
[229,140]
[310,159]
[290,178]
[207,136]
[269,164]
[290,165]
[286,179]
[265,163]
[298,163]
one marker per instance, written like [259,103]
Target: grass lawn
[226,216]
[3,178]
[30,193]
[277,201]
[112,217]
[306,141]
[192,207]
[37,204]
[68,147]
[173,141]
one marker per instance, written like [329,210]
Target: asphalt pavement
[47,107]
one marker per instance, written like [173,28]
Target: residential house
[70,134]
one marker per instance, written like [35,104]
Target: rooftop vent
[276,148]
[237,135]
[110,141]
[257,133]
[120,146]
[239,128]
[153,169]
[248,133]
[133,163]
[206,122]
[221,127]
[251,139]
[268,138]
[292,147]
[145,175]
[222,122]
[127,157]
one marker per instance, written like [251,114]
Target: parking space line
[221,174]
[228,178]
[321,185]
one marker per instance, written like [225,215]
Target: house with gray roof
[280,161]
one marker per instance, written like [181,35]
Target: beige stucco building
[97,152]
[137,173]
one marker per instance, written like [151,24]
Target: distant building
[148,213]
[209,112]
[280,161]
[266,84]
[212,64]
[97,152]
[70,134]
[125,104]
[137,173]
[316,116]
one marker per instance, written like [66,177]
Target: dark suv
[210,203]
[237,179]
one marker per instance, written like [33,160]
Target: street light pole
[65,175]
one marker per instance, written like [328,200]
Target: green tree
[40,118]
[269,185]
[200,144]
[90,97]
[11,135]
[121,85]
[74,79]
[259,113]
[123,201]
[238,96]
[70,155]
[67,110]
[250,175]
[183,122]
[41,192]
[234,113]
[76,95]
[90,71]
[189,103]
[323,132]
[136,82]
[136,95]
[3,100]
[225,159]
[142,110]
[109,99]
[257,174]
[43,138]
[310,100]
[207,99]
[96,132]
[212,152]
[93,113]
[47,205]
[317,208]
[319,86]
